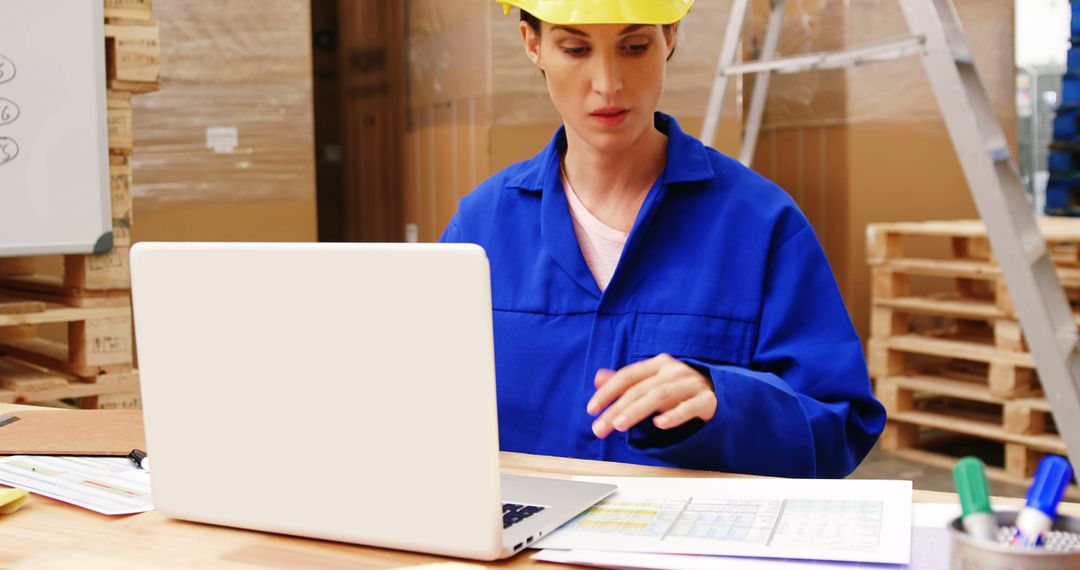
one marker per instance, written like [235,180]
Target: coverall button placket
[610,307]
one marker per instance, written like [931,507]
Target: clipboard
[73,432]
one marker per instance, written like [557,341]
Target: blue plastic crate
[1074,57]
[1064,161]
[1062,197]
[1070,89]
[1065,124]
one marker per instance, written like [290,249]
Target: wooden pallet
[957,404]
[24,383]
[993,472]
[133,55]
[87,281]
[969,315]
[1005,374]
[966,279]
[968,238]
[960,251]
[947,352]
[99,340]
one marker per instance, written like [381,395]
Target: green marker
[970,479]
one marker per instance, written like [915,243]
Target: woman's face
[605,80]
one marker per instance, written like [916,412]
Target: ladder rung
[1034,246]
[1068,338]
[963,58]
[875,52]
[1000,154]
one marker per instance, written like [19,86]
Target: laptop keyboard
[513,514]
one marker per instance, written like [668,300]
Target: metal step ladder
[1045,315]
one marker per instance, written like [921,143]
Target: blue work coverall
[721,270]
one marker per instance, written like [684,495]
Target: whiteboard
[54,148]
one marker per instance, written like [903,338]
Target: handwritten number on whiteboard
[9,111]
[9,149]
[7,69]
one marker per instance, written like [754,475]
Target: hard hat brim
[563,13]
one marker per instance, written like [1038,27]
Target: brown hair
[534,23]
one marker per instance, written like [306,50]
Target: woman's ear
[671,33]
[531,39]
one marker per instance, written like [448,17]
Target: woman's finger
[617,384]
[603,424]
[703,406]
[602,376]
[663,396]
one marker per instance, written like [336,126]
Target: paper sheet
[929,547]
[835,520]
[108,485]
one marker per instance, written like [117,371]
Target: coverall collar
[687,159]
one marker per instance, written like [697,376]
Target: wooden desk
[50,534]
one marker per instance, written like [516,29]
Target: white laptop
[336,391]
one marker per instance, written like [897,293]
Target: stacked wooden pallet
[946,351]
[92,299]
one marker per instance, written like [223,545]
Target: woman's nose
[607,79]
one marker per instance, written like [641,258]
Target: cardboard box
[225,148]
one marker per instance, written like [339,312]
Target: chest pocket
[713,339]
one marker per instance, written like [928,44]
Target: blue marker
[1037,518]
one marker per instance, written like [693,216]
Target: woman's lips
[611,116]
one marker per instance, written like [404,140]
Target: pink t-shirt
[601,244]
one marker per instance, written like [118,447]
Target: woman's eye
[575,51]
[636,48]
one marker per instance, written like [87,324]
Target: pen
[1037,517]
[979,520]
[5,420]
[139,458]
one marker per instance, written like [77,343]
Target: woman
[656,302]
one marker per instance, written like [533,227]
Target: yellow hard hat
[571,12]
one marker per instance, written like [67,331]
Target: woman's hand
[660,384]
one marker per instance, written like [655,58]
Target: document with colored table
[837,520]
